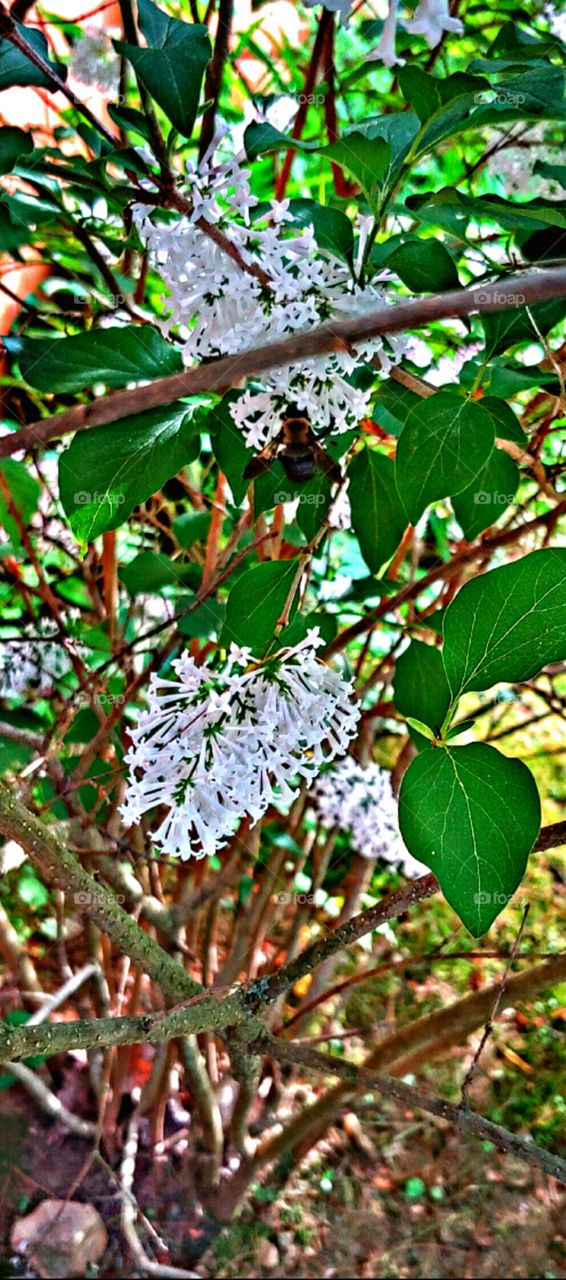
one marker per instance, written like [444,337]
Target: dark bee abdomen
[298,464]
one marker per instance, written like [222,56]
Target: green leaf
[112,357]
[369,160]
[378,519]
[123,464]
[256,603]
[472,816]
[151,570]
[230,451]
[332,229]
[420,688]
[373,151]
[191,527]
[507,624]
[506,329]
[314,500]
[13,144]
[507,425]
[173,66]
[24,491]
[421,728]
[456,103]
[16,69]
[425,266]
[441,449]
[491,493]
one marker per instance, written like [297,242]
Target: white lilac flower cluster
[94,62]
[31,664]
[219,745]
[360,801]
[217,308]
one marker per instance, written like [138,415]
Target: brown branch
[443,572]
[531,287]
[213,81]
[464,1121]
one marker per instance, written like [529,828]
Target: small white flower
[361,801]
[215,746]
[94,62]
[431,20]
[32,664]
[386,51]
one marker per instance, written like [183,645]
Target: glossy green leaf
[420,688]
[122,465]
[173,65]
[378,518]
[369,160]
[505,329]
[507,624]
[255,604]
[443,446]
[112,357]
[491,493]
[472,815]
[425,266]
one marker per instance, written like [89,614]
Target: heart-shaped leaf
[420,687]
[472,816]
[173,65]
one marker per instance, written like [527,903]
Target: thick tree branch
[527,289]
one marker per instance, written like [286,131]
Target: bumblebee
[298,450]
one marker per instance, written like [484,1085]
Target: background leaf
[507,624]
[420,688]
